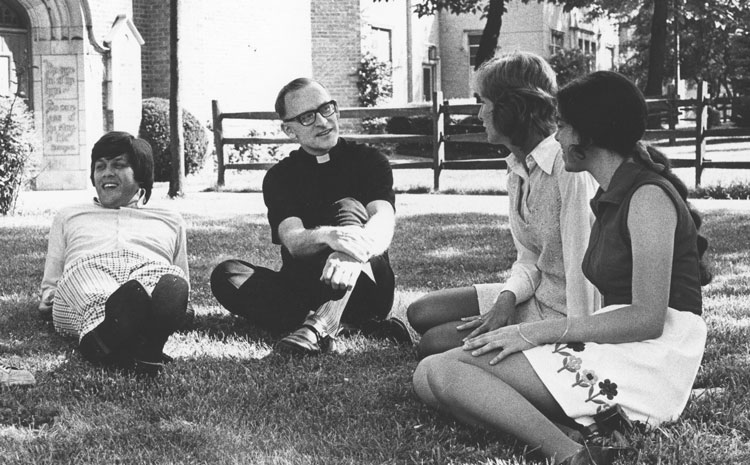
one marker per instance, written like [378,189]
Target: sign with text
[60,105]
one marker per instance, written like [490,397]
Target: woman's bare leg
[436,315]
[508,396]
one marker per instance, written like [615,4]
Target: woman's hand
[507,340]
[497,317]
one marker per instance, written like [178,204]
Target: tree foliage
[492,10]
[710,35]
[570,64]
[706,30]
[18,142]
[374,80]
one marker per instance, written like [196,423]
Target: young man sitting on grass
[331,208]
[116,274]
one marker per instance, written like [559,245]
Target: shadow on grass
[220,404]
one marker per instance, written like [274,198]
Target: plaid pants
[85,286]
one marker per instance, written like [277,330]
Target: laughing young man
[331,209]
[116,273]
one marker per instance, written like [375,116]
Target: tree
[493,10]
[491,32]
[177,180]
[712,42]
[657,52]
[709,42]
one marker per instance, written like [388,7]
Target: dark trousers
[280,300]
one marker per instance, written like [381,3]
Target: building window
[587,46]
[9,18]
[432,53]
[473,40]
[428,83]
[557,41]
[379,43]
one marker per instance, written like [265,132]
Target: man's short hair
[137,151]
[292,86]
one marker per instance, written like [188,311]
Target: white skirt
[651,380]
[527,311]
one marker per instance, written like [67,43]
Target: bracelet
[524,337]
[565,333]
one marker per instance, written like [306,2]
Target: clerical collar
[325,158]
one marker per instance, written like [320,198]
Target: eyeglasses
[308,118]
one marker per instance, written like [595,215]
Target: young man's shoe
[124,312]
[12,376]
[304,341]
[169,301]
[391,329]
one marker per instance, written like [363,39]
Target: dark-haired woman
[116,273]
[643,349]
[549,216]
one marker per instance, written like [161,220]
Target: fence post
[438,144]
[701,123]
[674,112]
[218,141]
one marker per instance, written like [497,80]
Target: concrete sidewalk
[231,204]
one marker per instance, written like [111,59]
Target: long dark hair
[607,110]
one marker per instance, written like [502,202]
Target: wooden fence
[439,113]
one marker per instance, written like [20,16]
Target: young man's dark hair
[138,152]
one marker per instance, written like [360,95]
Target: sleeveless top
[608,262]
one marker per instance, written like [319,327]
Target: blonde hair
[522,88]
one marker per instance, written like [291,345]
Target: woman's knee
[430,344]
[436,378]
[421,382]
[418,314]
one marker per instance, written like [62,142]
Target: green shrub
[155,129]
[421,124]
[373,80]
[741,111]
[734,190]
[256,153]
[17,144]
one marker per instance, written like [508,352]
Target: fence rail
[443,129]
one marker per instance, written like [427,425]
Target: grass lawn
[228,398]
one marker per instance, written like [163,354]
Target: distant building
[542,28]
[84,65]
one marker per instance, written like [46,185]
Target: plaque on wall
[60,105]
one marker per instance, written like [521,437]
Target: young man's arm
[53,265]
